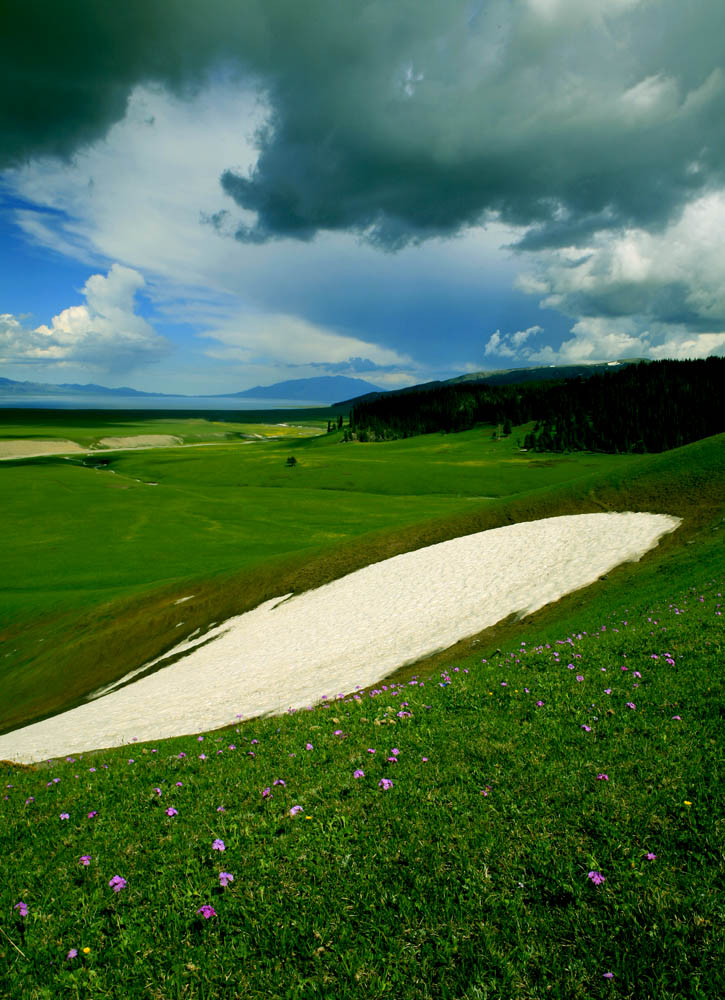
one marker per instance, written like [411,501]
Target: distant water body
[89,402]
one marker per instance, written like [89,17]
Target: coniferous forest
[647,407]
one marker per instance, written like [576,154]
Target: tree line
[647,407]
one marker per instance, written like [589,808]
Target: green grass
[87,427]
[469,877]
[94,557]
[430,888]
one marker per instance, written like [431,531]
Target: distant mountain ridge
[10,387]
[323,389]
[332,389]
[511,376]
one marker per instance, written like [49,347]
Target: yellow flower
[687,802]
[86,951]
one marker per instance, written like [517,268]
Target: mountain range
[332,389]
[324,389]
[511,376]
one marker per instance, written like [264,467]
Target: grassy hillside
[540,818]
[87,427]
[96,557]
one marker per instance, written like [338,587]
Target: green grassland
[541,815]
[87,427]
[95,556]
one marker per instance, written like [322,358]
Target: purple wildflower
[85,860]
[72,953]
[385,783]
[359,773]
[172,812]
[295,810]
[596,877]
[225,878]
[218,845]
[206,911]
[117,883]
[65,815]
[22,908]
[602,777]
[650,856]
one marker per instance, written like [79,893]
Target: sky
[201,197]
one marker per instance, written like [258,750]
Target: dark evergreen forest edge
[646,407]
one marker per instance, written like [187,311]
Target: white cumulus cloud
[103,333]
[636,293]
[511,345]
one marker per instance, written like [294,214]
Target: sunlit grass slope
[95,559]
[96,556]
[540,819]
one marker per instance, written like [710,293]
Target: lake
[87,401]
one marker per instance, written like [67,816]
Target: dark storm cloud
[400,120]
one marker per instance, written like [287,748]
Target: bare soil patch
[140,441]
[33,448]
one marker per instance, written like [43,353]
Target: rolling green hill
[534,813]
[97,555]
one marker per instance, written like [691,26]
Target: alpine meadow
[362,478]
[532,812]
